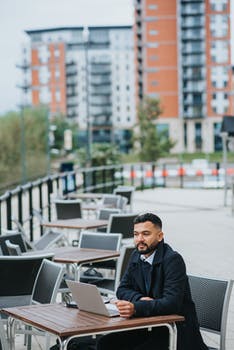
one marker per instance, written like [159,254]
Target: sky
[16,16]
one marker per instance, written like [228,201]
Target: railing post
[142,177]
[30,212]
[40,205]
[20,207]
[153,175]
[113,178]
[49,192]
[9,211]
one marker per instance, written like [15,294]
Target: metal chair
[110,201]
[96,240]
[122,223]
[12,239]
[17,276]
[104,214]
[126,191]
[68,208]
[109,286]
[45,290]
[211,298]
[13,249]
[49,237]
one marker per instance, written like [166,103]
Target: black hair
[155,219]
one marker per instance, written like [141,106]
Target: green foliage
[102,154]
[61,125]
[150,143]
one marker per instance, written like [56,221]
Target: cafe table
[76,257]
[67,323]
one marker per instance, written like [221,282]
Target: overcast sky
[18,15]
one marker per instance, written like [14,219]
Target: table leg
[11,327]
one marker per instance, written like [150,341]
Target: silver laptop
[88,298]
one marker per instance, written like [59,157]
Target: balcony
[104,90]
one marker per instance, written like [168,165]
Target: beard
[147,248]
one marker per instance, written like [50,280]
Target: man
[155,283]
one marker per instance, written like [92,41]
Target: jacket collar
[158,257]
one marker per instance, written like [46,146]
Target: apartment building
[88,76]
[183,57]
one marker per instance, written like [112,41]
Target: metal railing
[18,205]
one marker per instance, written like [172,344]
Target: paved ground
[196,223]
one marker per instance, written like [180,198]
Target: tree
[102,154]
[150,143]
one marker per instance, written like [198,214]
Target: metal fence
[19,205]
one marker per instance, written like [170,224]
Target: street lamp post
[88,117]
[224,136]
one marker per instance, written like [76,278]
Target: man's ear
[160,236]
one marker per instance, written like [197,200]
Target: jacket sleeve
[173,287]
[127,289]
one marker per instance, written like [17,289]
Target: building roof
[55,29]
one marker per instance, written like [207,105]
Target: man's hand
[126,309]
[146,298]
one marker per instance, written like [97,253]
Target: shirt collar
[149,259]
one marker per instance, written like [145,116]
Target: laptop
[88,298]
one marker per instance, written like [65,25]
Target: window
[198,136]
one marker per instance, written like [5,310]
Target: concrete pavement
[195,223]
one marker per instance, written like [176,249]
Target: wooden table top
[82,255]
[76,223]
[65,322]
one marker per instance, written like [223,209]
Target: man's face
[146,237]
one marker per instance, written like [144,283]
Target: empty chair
[127,192]
[49,237]
[104,214]
[104,241]
[109,286]
[13,249]
[17,276]
[15,239]
[45,290]
[110,201]
[122,223]
[68,208]
[211,298]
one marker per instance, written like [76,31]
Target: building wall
[73,78]
[186,64]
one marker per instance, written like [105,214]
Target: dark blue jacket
[170,290]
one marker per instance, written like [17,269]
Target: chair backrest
[105,213]
[125,191]
[125,253]
[47,282]
[96,240]
[18,273]
[111,200]
[13,249]
[122,223]
[14,238]
[211,298]
[68,208]
[49,239]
